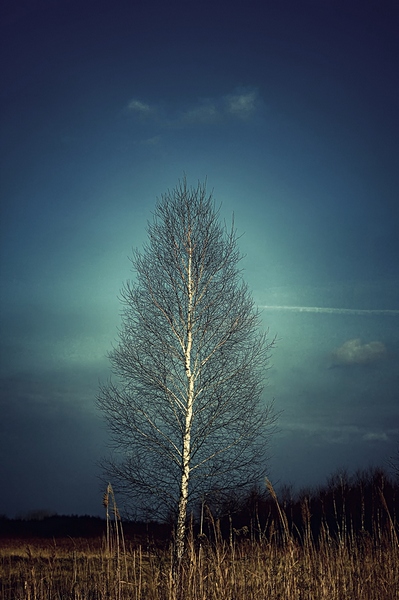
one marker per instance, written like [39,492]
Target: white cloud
[239,105]
[242,105]
[139,107]
[354,352]
[376,437]
[332,434]
[204,113]
[152,141]
[338,433]
[331,311]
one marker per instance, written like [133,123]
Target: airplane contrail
[332,311]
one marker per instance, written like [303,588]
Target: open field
[82,570]
[288,550]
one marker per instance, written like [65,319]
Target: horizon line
[332,311]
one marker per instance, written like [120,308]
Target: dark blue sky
[290,109]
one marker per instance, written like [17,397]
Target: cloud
[237,105]
[242,105]
[139,107]
[322,432]
[353,352]
[376,437]
[337,433]
[152,141]
[332,311]
[207,112]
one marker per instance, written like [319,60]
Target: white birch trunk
[186,445]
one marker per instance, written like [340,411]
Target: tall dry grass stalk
[115,547]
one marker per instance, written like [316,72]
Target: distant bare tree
[186,412]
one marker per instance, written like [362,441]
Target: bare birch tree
[185,411]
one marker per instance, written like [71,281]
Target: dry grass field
[275,560]
[79,570]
